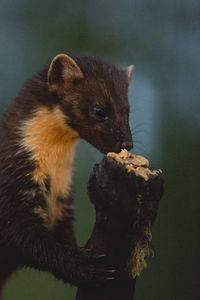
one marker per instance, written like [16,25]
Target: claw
[85,249]
[100,255]
[97,257]
[112,271]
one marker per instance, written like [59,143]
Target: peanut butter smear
[134,163]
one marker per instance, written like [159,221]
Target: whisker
[138,130]
[140,146]
[140,143]
[142,124]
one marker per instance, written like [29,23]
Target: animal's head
[93,95]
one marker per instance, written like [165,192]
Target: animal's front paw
[89,268]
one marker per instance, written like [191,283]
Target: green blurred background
[162,40]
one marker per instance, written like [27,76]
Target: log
[126,206]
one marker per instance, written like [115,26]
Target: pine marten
[73,97]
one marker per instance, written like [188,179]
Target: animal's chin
[105,150]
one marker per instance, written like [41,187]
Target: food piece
[124,157]
[134,163]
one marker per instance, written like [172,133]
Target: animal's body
[72,98]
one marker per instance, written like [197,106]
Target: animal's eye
[100,112]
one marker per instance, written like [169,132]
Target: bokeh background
[162,40]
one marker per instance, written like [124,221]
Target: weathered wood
[125,206]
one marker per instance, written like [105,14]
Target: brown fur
[38,136]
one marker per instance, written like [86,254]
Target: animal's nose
[128,145]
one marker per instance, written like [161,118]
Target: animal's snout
[128,145]
[126,141]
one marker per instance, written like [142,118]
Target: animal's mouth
[116,148]
[104,149]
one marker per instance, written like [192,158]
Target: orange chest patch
[51,143]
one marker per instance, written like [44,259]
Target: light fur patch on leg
[139,254]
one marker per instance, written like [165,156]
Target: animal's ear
[62,71]
[128,72]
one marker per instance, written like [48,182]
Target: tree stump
[126,206]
